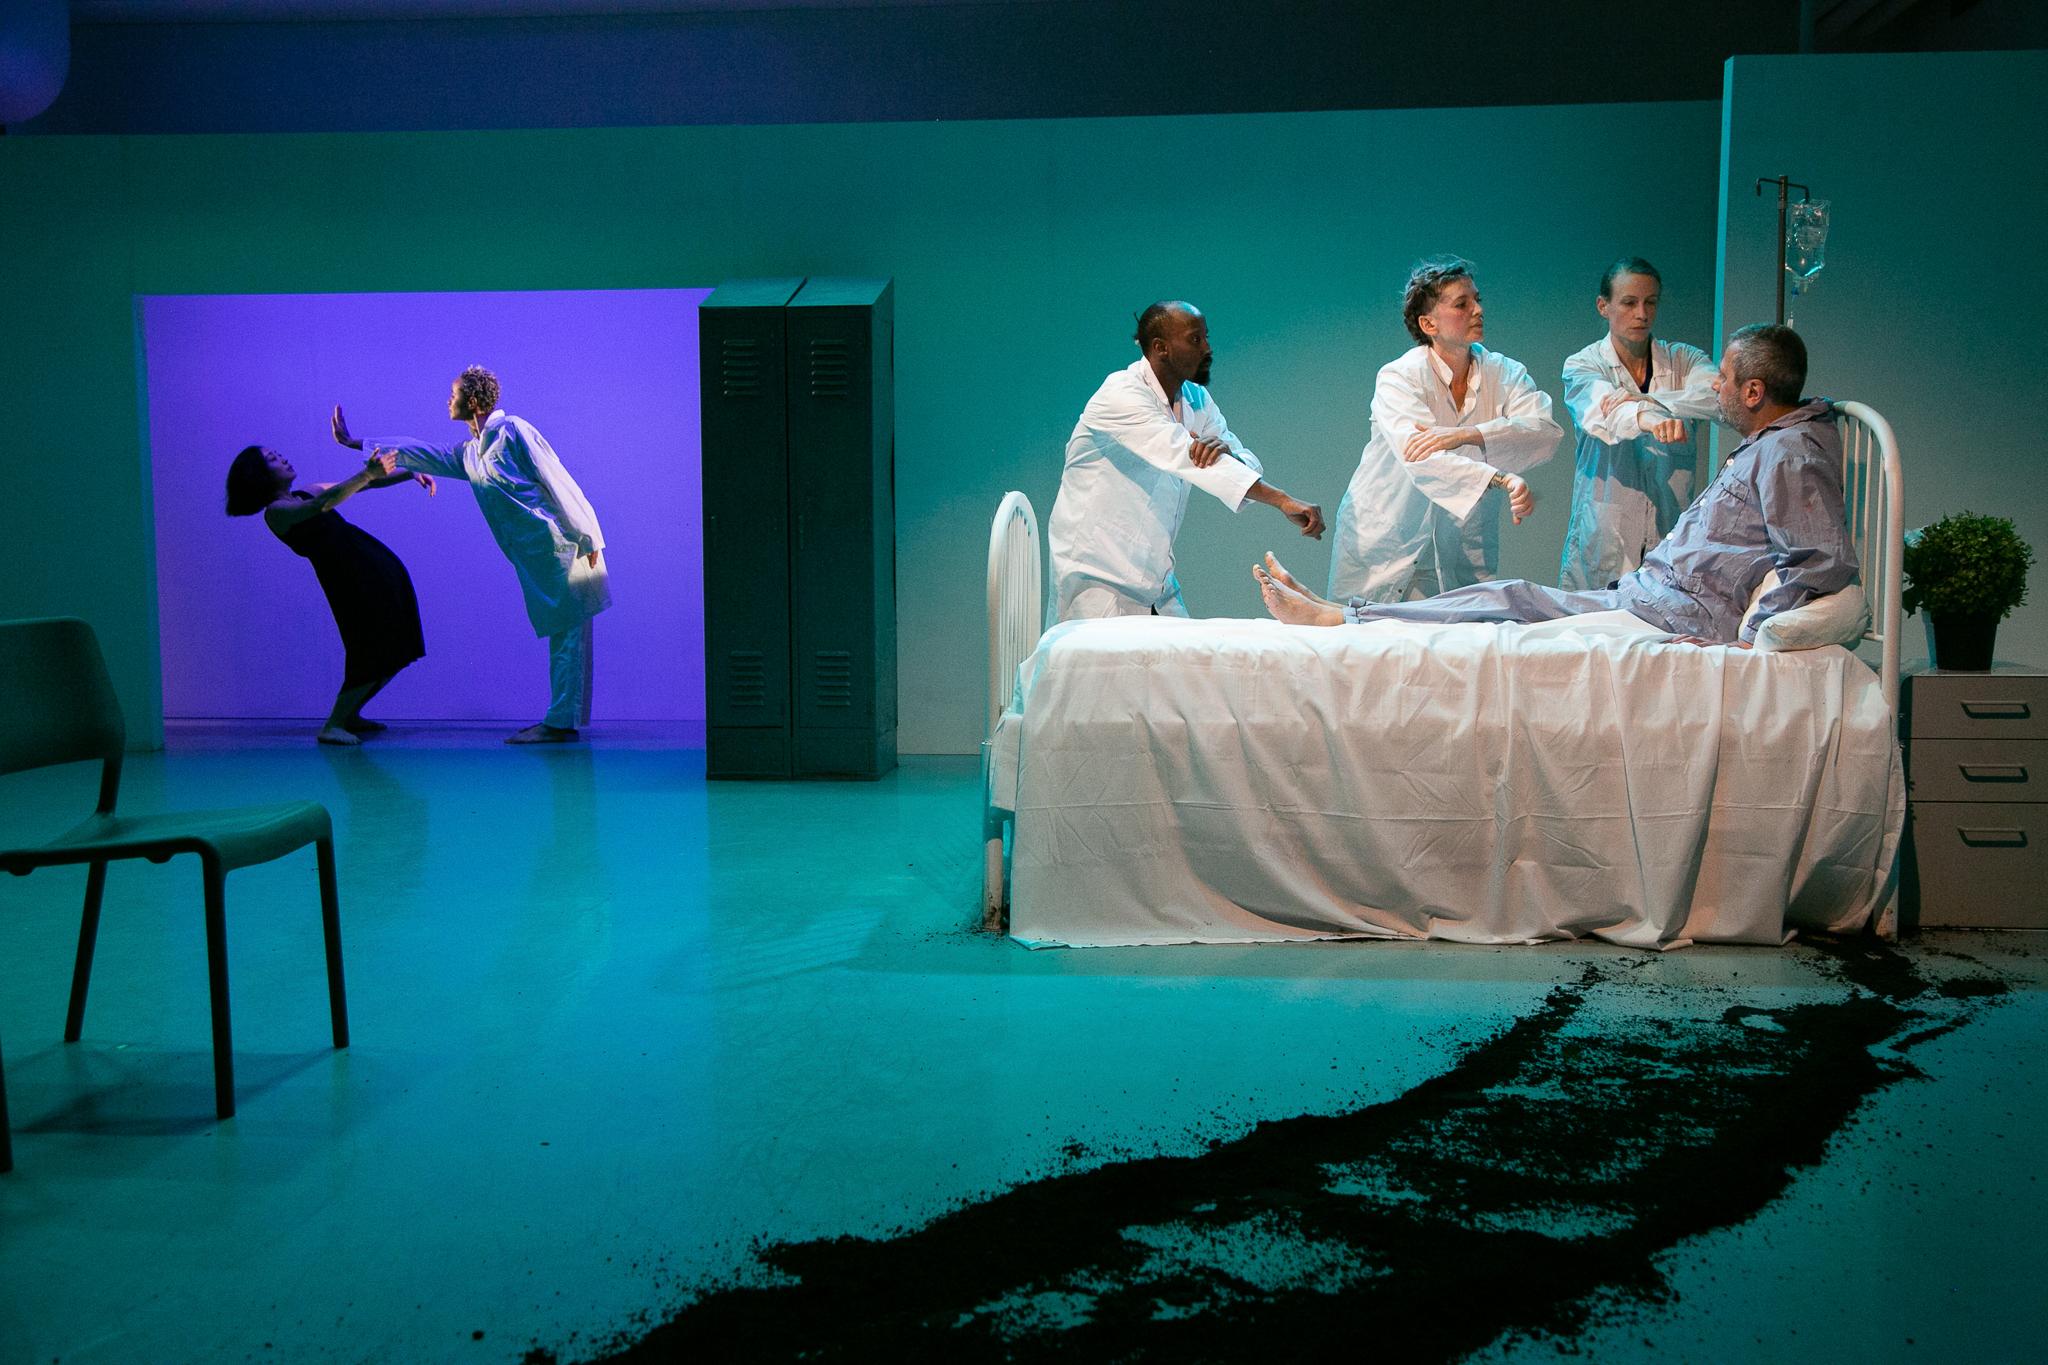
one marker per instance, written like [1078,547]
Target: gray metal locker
[799,528]
[843,502]
[743,373]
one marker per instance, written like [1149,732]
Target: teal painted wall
[1935,290]
[1020,251]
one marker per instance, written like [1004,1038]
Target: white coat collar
[1658,351]
[1143,368]
[1442,371]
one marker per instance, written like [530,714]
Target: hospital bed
[1158,780]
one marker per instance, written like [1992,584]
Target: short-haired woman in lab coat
[1454,425]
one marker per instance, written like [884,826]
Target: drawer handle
[1997,710]
[1993,838]
[1992,772]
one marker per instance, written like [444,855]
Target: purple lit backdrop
[609,377]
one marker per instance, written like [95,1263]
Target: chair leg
[330,922]
[88,935]
[6,1141]
[217,985]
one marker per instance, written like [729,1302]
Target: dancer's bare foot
[363,726]
[1288,580]
[543,733]
[1292,606]
[334,734]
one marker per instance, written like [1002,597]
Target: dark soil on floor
[1549,1165]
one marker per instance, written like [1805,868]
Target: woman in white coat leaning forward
[1637,403]
[1454,426]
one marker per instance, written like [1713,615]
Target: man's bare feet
[1292,606]
[334,734]
[1288,580]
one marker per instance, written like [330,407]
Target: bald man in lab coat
[1150,433]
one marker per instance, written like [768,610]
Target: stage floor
[623,1039]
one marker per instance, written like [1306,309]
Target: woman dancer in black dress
[367,587]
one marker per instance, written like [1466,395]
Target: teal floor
[621,1037]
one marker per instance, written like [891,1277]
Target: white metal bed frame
[1873,489]
[1016,618]
[1873,493]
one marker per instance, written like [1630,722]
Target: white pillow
[1840,618]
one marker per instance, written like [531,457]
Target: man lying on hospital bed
[1776,506]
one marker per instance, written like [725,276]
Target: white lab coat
[1125,489]
[1629,488]
[538,515]
[1436,514]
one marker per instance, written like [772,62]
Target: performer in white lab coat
[1149,434]
[541,521]
[1637,403]
[1454,426]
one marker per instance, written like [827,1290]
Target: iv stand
[1784,185]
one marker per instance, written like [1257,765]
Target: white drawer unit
[1976,749]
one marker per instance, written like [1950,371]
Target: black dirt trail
[1552,1161]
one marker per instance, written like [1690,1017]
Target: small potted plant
[1967,572]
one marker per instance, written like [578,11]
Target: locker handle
[1997,710]
[1992,772]
[1993,838]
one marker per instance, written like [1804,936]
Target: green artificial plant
[1966,565]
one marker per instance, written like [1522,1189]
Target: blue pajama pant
[569,678]
[1506,599]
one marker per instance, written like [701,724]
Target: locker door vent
[746,678]
[739,367]
[835,677]
[831,368]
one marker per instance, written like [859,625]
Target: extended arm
[421,457]
[1207,426]
[1694,399]
[1611,414]
[1399,412]
[1601,408]
[392,480]
[1525,434]
[1213,436]
[1140,425]
[415,456]
[282,515]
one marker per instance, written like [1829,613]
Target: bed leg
[993,901]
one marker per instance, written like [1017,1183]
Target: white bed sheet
[1212,781]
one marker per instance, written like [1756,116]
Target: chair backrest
[1874,495]
[57,704]
[1015,595]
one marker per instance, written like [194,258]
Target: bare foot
[1287,580]
[1293,607]
[334,734]
[543,733]
[363,726]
